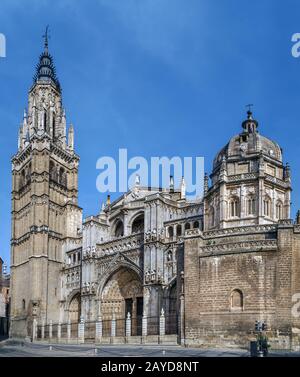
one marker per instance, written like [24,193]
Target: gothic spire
[45,69]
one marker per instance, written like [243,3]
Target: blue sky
[158,77]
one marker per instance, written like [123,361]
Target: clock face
[243,147]
[271,152]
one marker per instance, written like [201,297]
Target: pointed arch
[236,300]
[74,307]
[118,228]
[234,207]
[251,205]
[279,210]
[267,205]
[211,217]
[137,223]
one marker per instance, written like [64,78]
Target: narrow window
[196,224]
[45,121]
[251,206]
[279,211]
[236,300]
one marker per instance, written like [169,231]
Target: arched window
[187,226]
[45,120]
[23,304]
[267,206]
[170,256]
[211,217]
[119,230]
[234,207]
[170,232]
[22,179]
[138,224]
[236,300]
[61,173]
[251,206]
[53,126]
[28,174]
[279,210]
[196,224]
[51,170]
[178,230]
[62,177]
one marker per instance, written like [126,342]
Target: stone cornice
[238,231]
[238,247]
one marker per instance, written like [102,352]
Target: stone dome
[248,143]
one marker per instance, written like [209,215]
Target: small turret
[171,183]
[206,181]
[20,138]
[182,189]
[298,218]
[71,138]
[223,171]
[287,173]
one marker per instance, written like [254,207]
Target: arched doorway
[74,308]
[123,294]
[172,314]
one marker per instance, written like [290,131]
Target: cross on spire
[249,112]
[249,107]
[46,36]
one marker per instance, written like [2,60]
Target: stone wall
[265,279]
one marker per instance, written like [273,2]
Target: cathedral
[209,267]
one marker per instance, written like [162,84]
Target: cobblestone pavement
[18,349]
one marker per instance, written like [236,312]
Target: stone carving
[240,247]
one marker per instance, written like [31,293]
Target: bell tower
[45,209]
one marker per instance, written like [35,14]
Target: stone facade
[244,266]
[212,266]
[4,291]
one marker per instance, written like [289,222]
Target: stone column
[182,329]
[162,323]
[43,329]
[99,329]
[113,326]
[128,325]
[50,329]
[144,325]
[81,330]
[69,329]
[34,329]
[59,331]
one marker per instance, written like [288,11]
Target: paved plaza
[12,348]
